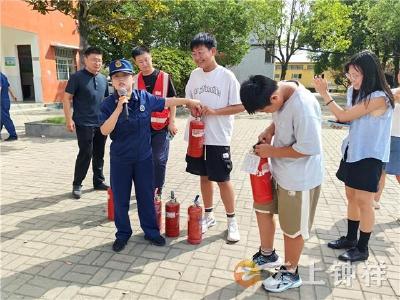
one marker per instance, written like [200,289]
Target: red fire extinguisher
[158,208]
[196,138]
[110,204]
[172,208]
[261,183]
[195,213]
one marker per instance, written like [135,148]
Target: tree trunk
[83,29]
[83,44]
[284,67]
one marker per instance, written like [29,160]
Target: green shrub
[55,120]
[176,62]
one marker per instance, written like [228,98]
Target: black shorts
[361,175]
[215,163]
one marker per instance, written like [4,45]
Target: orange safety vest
[158,119]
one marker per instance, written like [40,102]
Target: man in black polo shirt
[87,89]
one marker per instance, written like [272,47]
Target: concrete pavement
[54,247]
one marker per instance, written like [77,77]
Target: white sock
[266,252]
[209,215]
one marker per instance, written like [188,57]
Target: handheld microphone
[122,92]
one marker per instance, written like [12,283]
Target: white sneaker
[233,230]
[207,222]
[282,281]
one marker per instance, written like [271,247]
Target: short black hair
[203,39]
[92,50]
[255,93]
[139,50]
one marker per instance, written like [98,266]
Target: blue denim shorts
[393,166]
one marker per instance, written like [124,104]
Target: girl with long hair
[369,111]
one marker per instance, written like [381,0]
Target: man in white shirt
[218,91]
[297,170]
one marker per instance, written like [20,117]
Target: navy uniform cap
[120,65]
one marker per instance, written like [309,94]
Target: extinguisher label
[197,132]
[170,214]
[264,169]
[250,163]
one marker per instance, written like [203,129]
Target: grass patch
[55,120]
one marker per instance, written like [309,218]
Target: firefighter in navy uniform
[130,151]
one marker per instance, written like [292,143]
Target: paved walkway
[53,247]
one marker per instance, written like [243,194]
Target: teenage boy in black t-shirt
[163,127]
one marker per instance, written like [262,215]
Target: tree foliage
[279,23]
[228,20]
[290,25]
[100,19]
[328,32]
[166,26]
[327,26]
[176,62]
[384,32]
[373,25]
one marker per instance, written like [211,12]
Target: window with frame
[296,76]
[65,63]
[295,67]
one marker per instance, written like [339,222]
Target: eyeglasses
[352,76]
[96,60]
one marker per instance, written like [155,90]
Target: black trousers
[91,147]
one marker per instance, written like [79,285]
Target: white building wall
[10,38]
[253,63]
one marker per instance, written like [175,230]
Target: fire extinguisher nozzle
[196,200]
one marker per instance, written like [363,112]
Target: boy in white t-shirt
[297,170]
[218,91]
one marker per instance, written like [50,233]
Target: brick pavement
[53,247]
